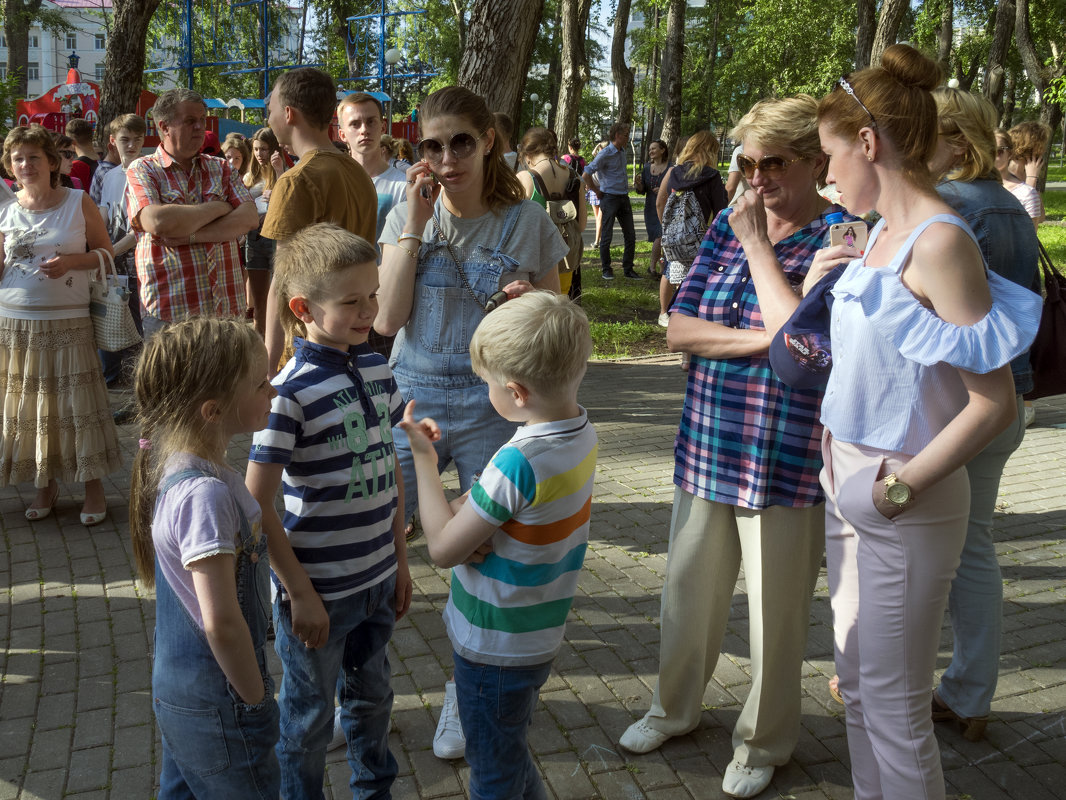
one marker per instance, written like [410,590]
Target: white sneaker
[449,742]
[1030,416]
[640,737]
[743,781]
[664,320]
[338,739]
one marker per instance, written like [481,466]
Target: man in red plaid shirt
[188,211]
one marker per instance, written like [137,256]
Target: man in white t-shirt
[362,122]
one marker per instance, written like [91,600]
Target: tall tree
[945,34]
[864,35]
[499,42]
[888,23]
[623,74]
[19,16]
[1041,72]
[575,68]
[670,86]
[995,70]
[124,61]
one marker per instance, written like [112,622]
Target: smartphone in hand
[852,234]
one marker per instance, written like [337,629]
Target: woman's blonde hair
[401,148]
[501,187]
[700,150]
[784,123]
[180,368]
[968,121]
[1029,140]
[238,142]
[306,262]
[898,97]
[264,172]
[36,136]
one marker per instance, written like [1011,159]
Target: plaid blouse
[179,282]
[745,438]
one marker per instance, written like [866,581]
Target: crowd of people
[372,316]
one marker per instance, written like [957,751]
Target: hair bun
[910,67]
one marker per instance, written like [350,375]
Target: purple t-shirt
[198,518]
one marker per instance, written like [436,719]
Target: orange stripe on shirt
[551,532]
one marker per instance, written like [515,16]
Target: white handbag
[109,308]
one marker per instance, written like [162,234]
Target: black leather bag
[1048,353]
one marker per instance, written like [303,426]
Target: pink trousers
[889,583]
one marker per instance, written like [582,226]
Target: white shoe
[1030,416]
[449,742]
[743,781]
[338,739]
[664,320]
[640,737]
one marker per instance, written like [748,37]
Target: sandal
[834,689]
[973,728]
[34,513]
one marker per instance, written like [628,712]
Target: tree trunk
[1040,75]
[887,27]
[499,45]
[574,67]
[945,34]
[997,53]
[18,17]
[705,115]
[623,75]
[555,67]
[1007,114]
[124,62]
[864,34]
[670,79]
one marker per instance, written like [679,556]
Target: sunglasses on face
[461,146]
[1003,149]
[68,153]
[772,167]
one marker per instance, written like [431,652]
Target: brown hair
[81,131]
[401,148]
[501,187]
[179,369]
[701,150]
[1029,139]
[311,92]
[235,140]
[259,172]
[130,122]
[539,141]
[357,98]
[899,96]
[36,136]
[968,121]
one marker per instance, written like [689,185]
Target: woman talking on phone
[465,234]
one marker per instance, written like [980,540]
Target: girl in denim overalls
[196,536]
[465,233]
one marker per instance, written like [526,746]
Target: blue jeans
[496,707]
[612,207]
[976,599]
[354,665]
[471,432]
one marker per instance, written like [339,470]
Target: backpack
[683,227]
[562,209]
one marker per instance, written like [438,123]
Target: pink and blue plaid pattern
[745,438]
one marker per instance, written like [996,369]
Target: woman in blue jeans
[965,159]
[465,233]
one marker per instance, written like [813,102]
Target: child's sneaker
[449,742]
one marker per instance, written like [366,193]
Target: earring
[869,157]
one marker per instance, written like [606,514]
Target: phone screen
[849,233]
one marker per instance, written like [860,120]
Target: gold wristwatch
[897,492]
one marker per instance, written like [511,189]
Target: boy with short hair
[506,616]
[81,131]
[340,558]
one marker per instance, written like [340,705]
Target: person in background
[594,199]
[1029,140]
[1026,194]
[607,177]
[649,179]
[65,148]
[266,165]
[403,155]
[735,185]
[81,131]
[505,131]
[572,158]
[107,162]
[236,151]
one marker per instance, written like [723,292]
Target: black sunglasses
[462,145]
[68,153]
[772,167]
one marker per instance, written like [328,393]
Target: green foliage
[1054,239]
[8,97]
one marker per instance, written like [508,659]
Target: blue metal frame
[381,19]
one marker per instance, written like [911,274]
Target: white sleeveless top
[895,381]
[30,239]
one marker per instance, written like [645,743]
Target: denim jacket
[1007,240]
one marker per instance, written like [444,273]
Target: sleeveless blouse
[895,382]
[32,238]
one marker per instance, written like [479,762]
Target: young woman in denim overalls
[465,233]
[198,538]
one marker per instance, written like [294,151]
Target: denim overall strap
[509,223]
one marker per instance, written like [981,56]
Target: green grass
[1056,173]
[1055,204]
[1054,239]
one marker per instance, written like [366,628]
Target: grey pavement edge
[76,632]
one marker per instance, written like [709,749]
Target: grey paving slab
[76,631]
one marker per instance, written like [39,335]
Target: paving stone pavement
[76,633]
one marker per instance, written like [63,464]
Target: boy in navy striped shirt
[507,614]
[339,555]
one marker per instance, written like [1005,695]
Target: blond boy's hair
[130,122]
[540,340]
[305,262]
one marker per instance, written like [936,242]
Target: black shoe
[632,275]
[608,274]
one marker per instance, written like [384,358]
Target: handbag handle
[102,271]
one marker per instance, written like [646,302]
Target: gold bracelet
[410,252]
[406,235]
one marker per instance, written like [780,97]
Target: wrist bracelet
[410,252]
[406,235]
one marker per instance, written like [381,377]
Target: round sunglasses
[461,146]
[772,167]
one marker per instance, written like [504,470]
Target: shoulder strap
[184,475]
[509,222]
[900,259]
[539,183]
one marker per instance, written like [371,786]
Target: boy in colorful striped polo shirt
[506,615]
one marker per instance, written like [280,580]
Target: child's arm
[227,632]
[310,622]
[404,584]
[452,536]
